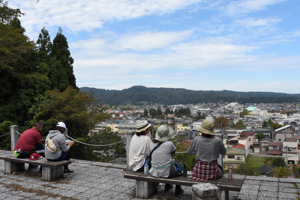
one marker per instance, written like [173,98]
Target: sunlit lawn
[256,161]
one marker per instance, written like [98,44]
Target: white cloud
[235,8]
[81,15]
[149,40]
[251,22]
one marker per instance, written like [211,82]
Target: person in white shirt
[139,146]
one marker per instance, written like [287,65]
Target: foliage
[158,112]
[80,111]
[221,122]
[5,140]
[185,124]
[239,124]
[90,152]
[244,112]
[270,122]
[152,112]
[282,172]
[145,112]
[259,136]
[256,161]
[278,162]
[182,146]
[265,124]
[245,169]
[171,96]
[296,171]
[61,72]
[182,111]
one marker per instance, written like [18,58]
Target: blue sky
[239,45]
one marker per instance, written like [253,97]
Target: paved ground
[96,180]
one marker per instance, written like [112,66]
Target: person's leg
[27,155]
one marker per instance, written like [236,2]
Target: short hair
[37,123]
[61,129]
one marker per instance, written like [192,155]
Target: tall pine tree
[44,47]
[61,73]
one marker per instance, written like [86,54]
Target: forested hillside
[139,95]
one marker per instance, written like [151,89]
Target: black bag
[148,159]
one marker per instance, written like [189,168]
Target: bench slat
[223,183]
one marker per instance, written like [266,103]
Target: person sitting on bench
[207,148]
[61,147]
[30,142]
[139,146]
[161,160]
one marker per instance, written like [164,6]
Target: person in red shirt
[30,142]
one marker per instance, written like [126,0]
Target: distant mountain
[138,95]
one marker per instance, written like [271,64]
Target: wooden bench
[51,170]
[146,184]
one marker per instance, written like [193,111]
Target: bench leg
[145,189]
[52,173]
[224,195]
[10,166]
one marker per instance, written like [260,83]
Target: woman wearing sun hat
[139,146]
[162,164]
[207,148]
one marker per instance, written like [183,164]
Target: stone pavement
[96,180]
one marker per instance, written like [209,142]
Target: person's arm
[63,146]
[148,143]
[192,148]
[172,148]
[222,148]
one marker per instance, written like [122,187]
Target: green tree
[79,110]
[281,172]
[221,122]
[270,121]
[239,124]
[244,112]
[158,112]
[61,73]
[19,76]
[265,124]
[5,140]
[245,169]
[278,162]
[259,136]
[145,112]
[44,60]
[152,112]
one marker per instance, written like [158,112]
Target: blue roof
[251,108]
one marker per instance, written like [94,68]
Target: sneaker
[32,167]
[178,191]
[168,187]
[68,171]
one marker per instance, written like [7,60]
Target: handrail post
[13,136]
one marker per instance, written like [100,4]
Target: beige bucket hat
[207,127]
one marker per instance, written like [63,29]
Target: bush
[245,169]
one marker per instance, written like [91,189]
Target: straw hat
[142,126]
[164,133]
[207,127]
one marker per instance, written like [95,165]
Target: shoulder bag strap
[155,149]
